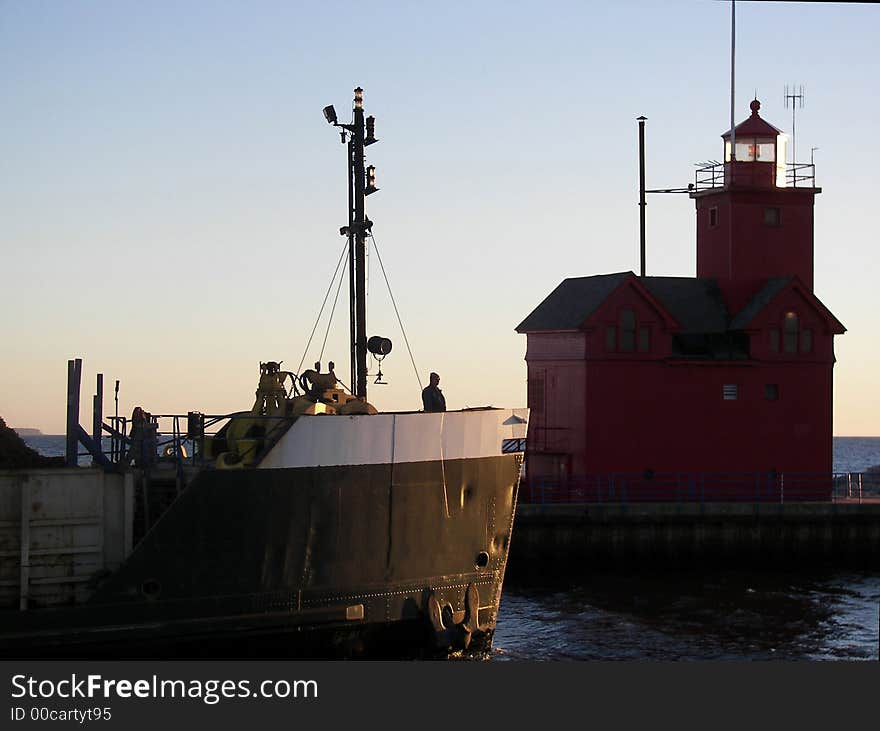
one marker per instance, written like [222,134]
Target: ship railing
[682,487]
[170,437]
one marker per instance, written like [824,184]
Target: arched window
[794,338]
[791,325]
[626,326]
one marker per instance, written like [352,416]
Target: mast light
[371,131]
[371,180]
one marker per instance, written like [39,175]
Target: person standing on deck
[432,397]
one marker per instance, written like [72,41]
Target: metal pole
[732,77]
[74,374]
[98,412]
[360,254]
[352,292]
[117,445]
[642,193]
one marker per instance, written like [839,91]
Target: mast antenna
[795,99]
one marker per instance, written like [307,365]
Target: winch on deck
[243,439]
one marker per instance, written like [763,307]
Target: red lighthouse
[722,379]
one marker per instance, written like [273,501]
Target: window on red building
[794,338]
[627,335]
[806,340]
[626,325]
[772,217]
[611,338]
[791,325]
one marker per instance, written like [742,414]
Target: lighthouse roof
[695,304]
[754,126]
[572,302]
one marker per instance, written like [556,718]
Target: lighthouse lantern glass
[781,142]
[745,150]
[765,150]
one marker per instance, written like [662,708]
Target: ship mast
[361,183]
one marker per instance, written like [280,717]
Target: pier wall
[680,535]
[60,529]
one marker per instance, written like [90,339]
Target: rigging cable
[399,321]
[323,304]
[332,311]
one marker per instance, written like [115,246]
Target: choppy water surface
[719,615]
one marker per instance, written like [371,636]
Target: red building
[721,382]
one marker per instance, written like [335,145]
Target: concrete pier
[845,534]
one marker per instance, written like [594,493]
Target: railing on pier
[701,488]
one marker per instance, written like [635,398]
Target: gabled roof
[695,304]
[771,289]
[572,302]
[759,301]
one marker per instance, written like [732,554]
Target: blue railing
[761,487]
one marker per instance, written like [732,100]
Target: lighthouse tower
[758,224]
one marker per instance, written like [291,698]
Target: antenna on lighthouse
[794,98]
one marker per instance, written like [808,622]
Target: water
[700,615]
[855,454]
[716,615]
[682,615]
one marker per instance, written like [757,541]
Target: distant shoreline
[28,432]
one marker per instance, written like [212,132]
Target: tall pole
[74,377]
[642,193]
[358,175]
[352,292]
[732,77]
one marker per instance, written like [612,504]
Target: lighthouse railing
[800,175]
[797,175]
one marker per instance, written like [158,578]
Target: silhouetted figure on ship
[432,397]
[143,439]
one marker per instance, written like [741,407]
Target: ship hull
[302,561]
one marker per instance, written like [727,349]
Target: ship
[309,526]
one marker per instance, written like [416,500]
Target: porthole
[151,588]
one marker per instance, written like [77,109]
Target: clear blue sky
[171,195]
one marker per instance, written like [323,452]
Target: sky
[171,194]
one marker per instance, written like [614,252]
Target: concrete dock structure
[844,533]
